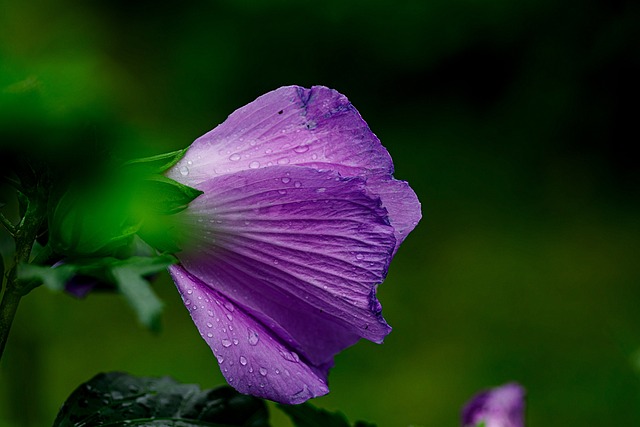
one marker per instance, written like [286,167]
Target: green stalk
[25,236]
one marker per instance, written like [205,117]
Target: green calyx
[101,217]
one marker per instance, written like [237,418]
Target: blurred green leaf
[120,399]
[53,278]
[129,277]
[307,415]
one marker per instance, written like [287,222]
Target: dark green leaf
[116,399]
[159,163]
[307,415]
[129,277]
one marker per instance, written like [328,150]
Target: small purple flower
[499,407]
[296,228]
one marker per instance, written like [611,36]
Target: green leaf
[116,399]
[129,277]
[307,415]
[159,163]
[53,278]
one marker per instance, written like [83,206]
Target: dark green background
[509,119]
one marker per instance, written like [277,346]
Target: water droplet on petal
[243,360]
[235,157]
[210,313]
[301,149]
[220,359]
[226,343]
[263,371]
[253,337]
[292,357]
[187,302]
[282,192]
[314,156]
[321,190]
[210,335]
[254,165]
[277,371]
[359,256]
[283,161]
[209,325]
[184,171]
[229,316]
[228,306]
[286,180]
[297,184]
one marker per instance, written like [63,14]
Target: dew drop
[243,361]
[228,306]
[254,165]
[189,162]
[235,157]
[220,359]
[286,180]
[187,302]
[297,184]
[359,256]
[184,171]
[282,192]
[229,316]
[263,371]
[210,313]
[292,357]
[250,369]
[235,341]
[209,325]
[283,161]
[321,190]
[210,335]
[268,151]
[189,291]
[253,337]
[301,149]
[314,156]
[225,342]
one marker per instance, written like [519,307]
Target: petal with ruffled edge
[315,127]
[252,358]
[301,250]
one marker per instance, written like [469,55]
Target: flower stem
[25,235]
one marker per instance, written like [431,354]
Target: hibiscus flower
[282,253]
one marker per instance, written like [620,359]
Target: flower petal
[303,250]
[498,407]
[315,127]
[252,359]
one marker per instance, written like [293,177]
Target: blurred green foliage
[511,120]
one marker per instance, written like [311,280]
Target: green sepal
[119,399]
[92,222]
[160,198]
[157,164]
[164,196]
[307,415]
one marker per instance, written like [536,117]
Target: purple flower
[296,228]
[499,407]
